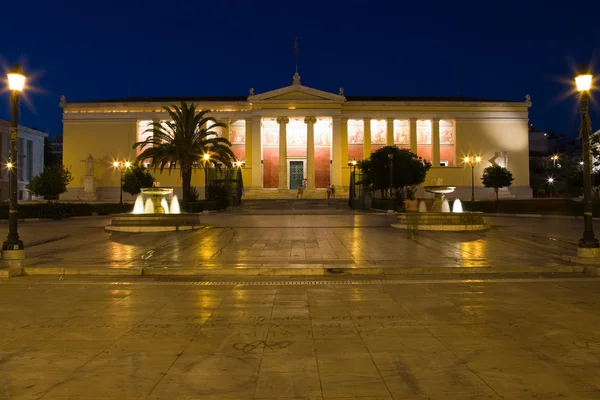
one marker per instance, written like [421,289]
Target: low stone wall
[465,221]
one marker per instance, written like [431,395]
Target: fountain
[152,212]
[440,218]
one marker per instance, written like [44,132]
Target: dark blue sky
[97,50]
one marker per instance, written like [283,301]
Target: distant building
[56,146]
[30,162]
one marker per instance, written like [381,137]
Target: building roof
[171,99]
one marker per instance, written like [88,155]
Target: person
[411,205]
[328,191]
[332,192]
[301,188]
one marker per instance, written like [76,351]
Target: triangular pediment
[296,94]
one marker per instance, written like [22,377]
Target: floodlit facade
[322,134]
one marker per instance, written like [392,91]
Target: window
[29,160]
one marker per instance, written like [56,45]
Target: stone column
[367,139]
[344,142]
[248,150]
[283,121]
[225,129]
[310,151]
[412,131]
[390,132]
[257,178]
[336,153]
[435,142]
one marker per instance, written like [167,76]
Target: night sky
[110,49]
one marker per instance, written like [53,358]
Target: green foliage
[496,177]
[136,178]
[56,210]
[218,192]
[407,170]
[183,142]
[50,183]
[49,157]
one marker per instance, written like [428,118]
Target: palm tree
[183,142]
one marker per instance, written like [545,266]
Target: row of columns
[435,136]
[339,141]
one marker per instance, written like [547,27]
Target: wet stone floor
[300,240]
[151,339]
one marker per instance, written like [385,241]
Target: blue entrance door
[296,174]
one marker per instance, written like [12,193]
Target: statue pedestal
[89,188]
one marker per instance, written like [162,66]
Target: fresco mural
[401,132]
[423,132]
[322,133]
[237,132]
[356,133]
[270,133]
[378,132]
[446,132]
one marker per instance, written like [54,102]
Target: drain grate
[142,282]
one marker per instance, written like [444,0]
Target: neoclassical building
[321,132]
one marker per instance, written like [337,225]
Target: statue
[500,159]
[63,101]
[528,100]
[89,166]
[297,79]
[341,93]
[251,91]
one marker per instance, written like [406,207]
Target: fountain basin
[442,221]
[440,192]
[154,222]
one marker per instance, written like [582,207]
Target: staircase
[276,194]
[293,205]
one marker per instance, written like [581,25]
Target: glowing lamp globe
[115,164]
[583,79]
[477,159]
[127,164]
[206,157]
[16,78]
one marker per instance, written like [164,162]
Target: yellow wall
[106,141]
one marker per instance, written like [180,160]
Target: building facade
[56,146]
[31,158]
[321,133]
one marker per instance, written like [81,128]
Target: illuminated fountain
[152,212]
[440,218]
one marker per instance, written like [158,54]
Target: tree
[182,142]
[408,170]
[49,157]
[136,178]
[496,177]
[50,183]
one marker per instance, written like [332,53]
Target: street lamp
[391,157]
[554,158]
[584,82]
[121,166]
[550,183]
[206,158]
[16,82]
[472,161]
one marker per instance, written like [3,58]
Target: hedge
[57,210]
[531,206]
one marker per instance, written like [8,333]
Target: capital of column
[310,120]
[366,119]
[283,120]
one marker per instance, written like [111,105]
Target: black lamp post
[16,82]
[584,83]
[121,166]
[472,161]
[391,157]
[206,158]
